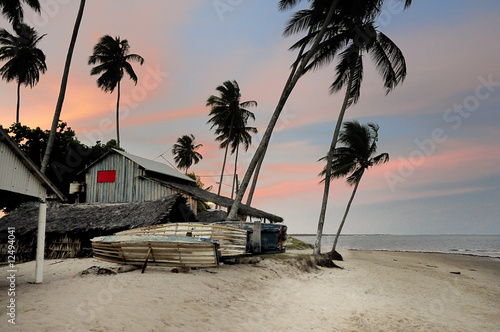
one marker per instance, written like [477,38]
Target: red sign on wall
[106,176]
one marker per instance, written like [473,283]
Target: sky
[441,127]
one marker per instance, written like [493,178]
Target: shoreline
[374,290]
[424,252]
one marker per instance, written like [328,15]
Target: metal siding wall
[16,177]
[149,190]
[111,192]
[129,186]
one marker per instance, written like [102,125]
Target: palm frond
[389,61]
[355,155]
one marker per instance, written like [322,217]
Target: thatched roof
[211,216]
[207,196]
[96,219]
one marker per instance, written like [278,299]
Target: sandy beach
[375,291]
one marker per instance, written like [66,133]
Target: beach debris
[96,270]
[248,260]
[181,269]
[434,266]
[125,268]
[453,272]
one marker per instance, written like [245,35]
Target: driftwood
[181,269]
[97,270]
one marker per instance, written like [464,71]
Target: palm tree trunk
[254,181]
[118,117]
[345,214]
[328,170]
[18,100]
[62,91]
[225,158]
[287,90]
[259,164]
[235,170]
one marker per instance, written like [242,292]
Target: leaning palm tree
[13,9]
[354,158]
[185,153]
[25,61]
[62,90]
[230,116]
[112,56]
[349,42]
[327,14]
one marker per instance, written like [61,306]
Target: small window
[106,176]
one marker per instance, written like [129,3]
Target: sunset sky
[441,128]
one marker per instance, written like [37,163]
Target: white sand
[376,291]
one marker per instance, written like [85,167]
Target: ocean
[478,245]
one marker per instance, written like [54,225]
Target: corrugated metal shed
[18,174]
[131,182]
[147,165]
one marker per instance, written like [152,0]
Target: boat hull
[136,249]
[232,241]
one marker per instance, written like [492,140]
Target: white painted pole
[40,242]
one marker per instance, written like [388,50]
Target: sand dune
[375,291]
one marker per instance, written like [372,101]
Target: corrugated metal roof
[154,166]
[20,174]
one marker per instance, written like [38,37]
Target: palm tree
[349,40]
[184,152]
[13,9]
[327,13]
[25,61]
[230,116]
[350,45]
[62,90]
[113,57]
[353,159]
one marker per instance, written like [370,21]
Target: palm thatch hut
[70,227]
[206,196]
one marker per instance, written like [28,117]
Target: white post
[40,242]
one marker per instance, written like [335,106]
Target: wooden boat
[232,241]
[154,249]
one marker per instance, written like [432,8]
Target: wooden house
[121,177]
[20,179]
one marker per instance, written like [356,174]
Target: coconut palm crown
[230,116]
[25,61]
[357,153]
[13,9]
[112,56]
[185,153]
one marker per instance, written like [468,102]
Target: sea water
[479,245]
